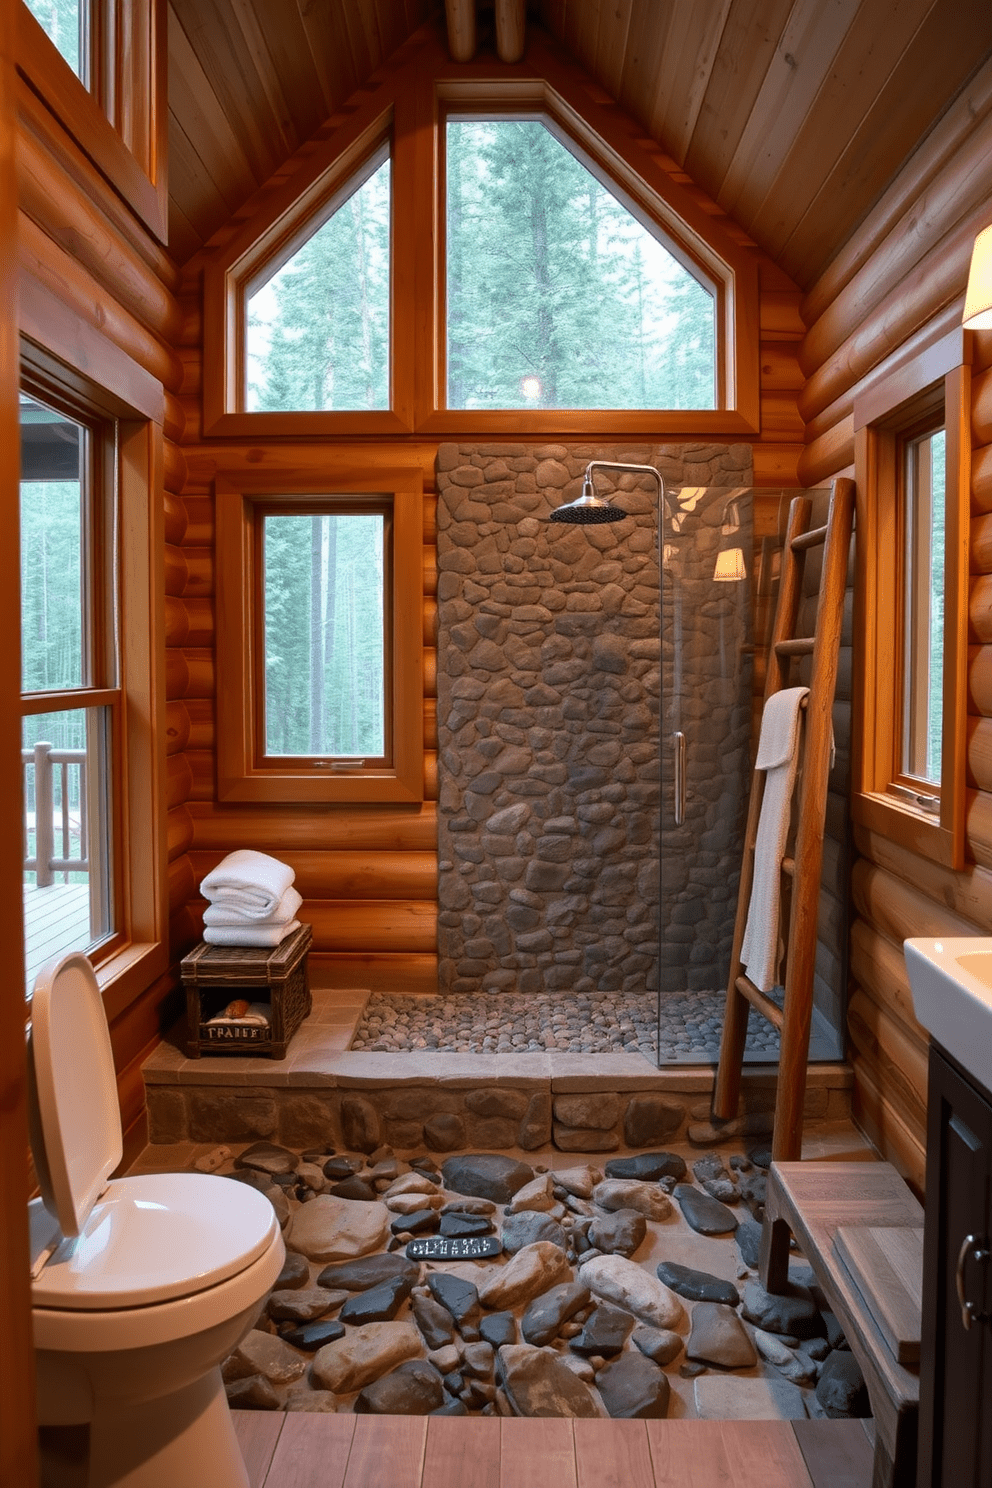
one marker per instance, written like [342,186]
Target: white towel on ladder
[778,756]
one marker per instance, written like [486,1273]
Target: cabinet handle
[969,1245]
[679,741]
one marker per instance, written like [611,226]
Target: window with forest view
[557,295]
[325,636]
[65,22]
[317,324]
[923,606]
[67,657]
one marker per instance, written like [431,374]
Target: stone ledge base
[412,1111]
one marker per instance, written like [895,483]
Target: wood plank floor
[300,1450]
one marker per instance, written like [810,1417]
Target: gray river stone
[660,1344]
[295,1272]
[546,1313]
[498,1328]
[379,1304]
[634,1388]
[353,1188]
[312,1336]
[605,1332]
[434,1321]
[251,1393]
[619,1233]
[300,1304]
[630,1193]
[841,1389]
[420,1222]
[330,1229]
[748,1239]
[528,1228]
[531,1271]
[623,1282]
[364,1355]
[414,1389]
[648,1166]
[458,1226]
[341,1167]
[266,1157]
[367,1271]
[537,1383]
[706,1215]
[718,1337]
[486,1175]
[460,1297]
[698,1286]
[267,1355]
[793,1312]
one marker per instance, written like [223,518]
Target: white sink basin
[951,982]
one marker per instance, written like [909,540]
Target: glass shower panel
[707,662]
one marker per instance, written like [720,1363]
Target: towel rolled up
[229,914]
[249,935]
[250,882]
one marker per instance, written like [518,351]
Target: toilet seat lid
[154,1237]
[74,1090]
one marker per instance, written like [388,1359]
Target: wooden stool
[213,975]
[813,1200]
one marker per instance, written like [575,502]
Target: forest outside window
[317,315]
[911,448]
[325,701]
[69,679]
[559,295]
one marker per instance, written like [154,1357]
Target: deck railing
[45,863]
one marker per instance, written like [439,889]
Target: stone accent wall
[548,698]
[589,1113]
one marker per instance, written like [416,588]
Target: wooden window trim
[884,416]
[408,105]
[130,959]
[121,123]
[240,501]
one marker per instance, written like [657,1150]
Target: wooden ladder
[800,875]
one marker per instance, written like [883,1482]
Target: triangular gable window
[558,295]
[317,317]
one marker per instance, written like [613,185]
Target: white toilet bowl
[140,1286]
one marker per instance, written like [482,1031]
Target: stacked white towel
[252,901]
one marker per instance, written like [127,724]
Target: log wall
[897,282]
[98,295]
[368,875]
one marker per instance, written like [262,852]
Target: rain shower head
[588,509]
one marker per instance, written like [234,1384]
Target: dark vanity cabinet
[955,1440]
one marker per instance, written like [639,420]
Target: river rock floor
[584,1023]
[573,1318]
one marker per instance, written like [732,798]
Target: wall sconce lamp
[978,299]
[730,566]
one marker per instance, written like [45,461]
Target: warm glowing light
[729,565]
[531,387]
[978,300]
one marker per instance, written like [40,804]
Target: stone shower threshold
[320,1054]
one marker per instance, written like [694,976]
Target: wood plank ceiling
[793,114]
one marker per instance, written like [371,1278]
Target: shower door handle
[678,739]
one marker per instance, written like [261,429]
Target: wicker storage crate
[214,975]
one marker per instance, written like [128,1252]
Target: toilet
[141,1286]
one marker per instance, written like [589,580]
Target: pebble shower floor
[587,1023]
